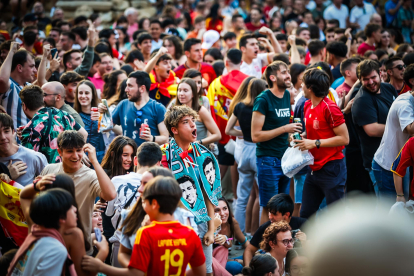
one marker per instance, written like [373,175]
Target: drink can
[297,121]
[21,128]
[296,136]
[144,125]
[94,109]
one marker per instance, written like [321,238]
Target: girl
[175,49]
[296,262]
[385,42]
[195,75]
[187,94]
[262,265]
[85,99]
[112,82]
[123,45]
[119,157]
[212,55]
[230,229]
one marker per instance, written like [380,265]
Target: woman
[230,229]
[134,218]
[144,24]
[385,42]
[175,49]
[75,240]
[85,99]
[214,19]
[383,71]
[242,113]
[212,55]
[296,263]
[187,94]
[275,23]
[296,73]
[262,265]
[112,82]
[123,45]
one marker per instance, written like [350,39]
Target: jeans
[202,229]
[328,182]
[385,182]
[247,174]
[271,179]
[299,181]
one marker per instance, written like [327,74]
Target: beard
[375,89]
[281,84]
[136,98]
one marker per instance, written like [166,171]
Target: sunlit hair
[270,234]
[241,94]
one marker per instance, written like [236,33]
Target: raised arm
[294,52]
[87,61]
[41,72]
[150,65]
[273,40]
[5,68]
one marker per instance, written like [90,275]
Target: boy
[164,247]
[186,158]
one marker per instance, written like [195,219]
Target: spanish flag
[12,219]
[162,91]
[220,93]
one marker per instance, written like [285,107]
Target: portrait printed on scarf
[209,171]
[188,186]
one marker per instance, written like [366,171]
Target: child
[164,247]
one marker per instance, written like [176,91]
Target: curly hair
[174,115]
[270,234]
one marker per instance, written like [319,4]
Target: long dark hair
[230,219]
[256,86]
[214,13]
[65,182]
[94,102]
[260,265]
[195,104]
[193,73]
[178,45]
[135,217]
[241,94]
[111,80]
[112,161]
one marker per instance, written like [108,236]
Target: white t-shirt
[332,12]
[255,68]
[401,114]
[362,15]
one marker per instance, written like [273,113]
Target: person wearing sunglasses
[395,69]
[277,241]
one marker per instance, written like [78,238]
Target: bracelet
[400,195]
[34,185]
[153,138]
[245,240]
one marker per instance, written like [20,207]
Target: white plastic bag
[402,209]
[294,160]
[105,119]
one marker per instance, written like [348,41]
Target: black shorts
[225,158]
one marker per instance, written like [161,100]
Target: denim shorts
[271,179]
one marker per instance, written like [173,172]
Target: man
[29,39]
[325,138]
[361,14]
[89,184]
[145,45]
[280,209]
[45,124]
[163,80]
[66,41]
[220,93]
[24,164]
[138,109]
[399,128]
[348,70]
[81,37]
[238,26]
[391,11]
[255,20]
[17,70]
[320,7]
[409,76]
[54,95]
[70,81]
[270,128]
[4,50]
[336,53]
[189,189]
[105,67]
[55,34]
[209,171]
[282,39]
[303,32]
[194,53]
[156,31]
[330,34]
[307,19]
[376,19]
[395,69]
[199,27]
[54,215]
[230,41]
[39,12]
[317,51]
[370,110]
[373,34]
[73,61]
[338,11]
[183,151]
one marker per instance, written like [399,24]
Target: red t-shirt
[165,248]
[404,160]
[206,70]
[253,28]
[364,47]
[404,89]
[343,89]
[320,122]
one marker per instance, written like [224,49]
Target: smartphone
[53,52]
[98,234]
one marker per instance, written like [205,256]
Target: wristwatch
[318,143]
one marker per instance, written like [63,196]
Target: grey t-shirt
[72,112]
[46,257]
[401,114]
[34,160]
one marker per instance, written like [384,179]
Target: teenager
[373,35]
[200,180]
[270,128]
[296,262]
[325,137]
[261,265]
[89,184]
[201,86]
[160,199]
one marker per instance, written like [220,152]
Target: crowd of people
[154,146]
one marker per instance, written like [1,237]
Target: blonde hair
[174,115]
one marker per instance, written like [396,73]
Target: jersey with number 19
[165,248]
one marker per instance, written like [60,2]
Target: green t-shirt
[277,113]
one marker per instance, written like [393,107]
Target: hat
[209,38]
[30,17]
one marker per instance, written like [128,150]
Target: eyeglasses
[399,67]
[287,241]
[139,114]
[45,94]
[296,269]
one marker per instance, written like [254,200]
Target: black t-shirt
[336,72]
[295,223]
[369,108]
[244,115]
[354,144]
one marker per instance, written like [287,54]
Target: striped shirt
[13,104]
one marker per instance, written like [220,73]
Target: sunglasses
[399,67]
[139,114]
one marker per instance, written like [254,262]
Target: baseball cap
[209,38]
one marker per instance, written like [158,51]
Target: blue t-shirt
[125,115]
[389,17]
